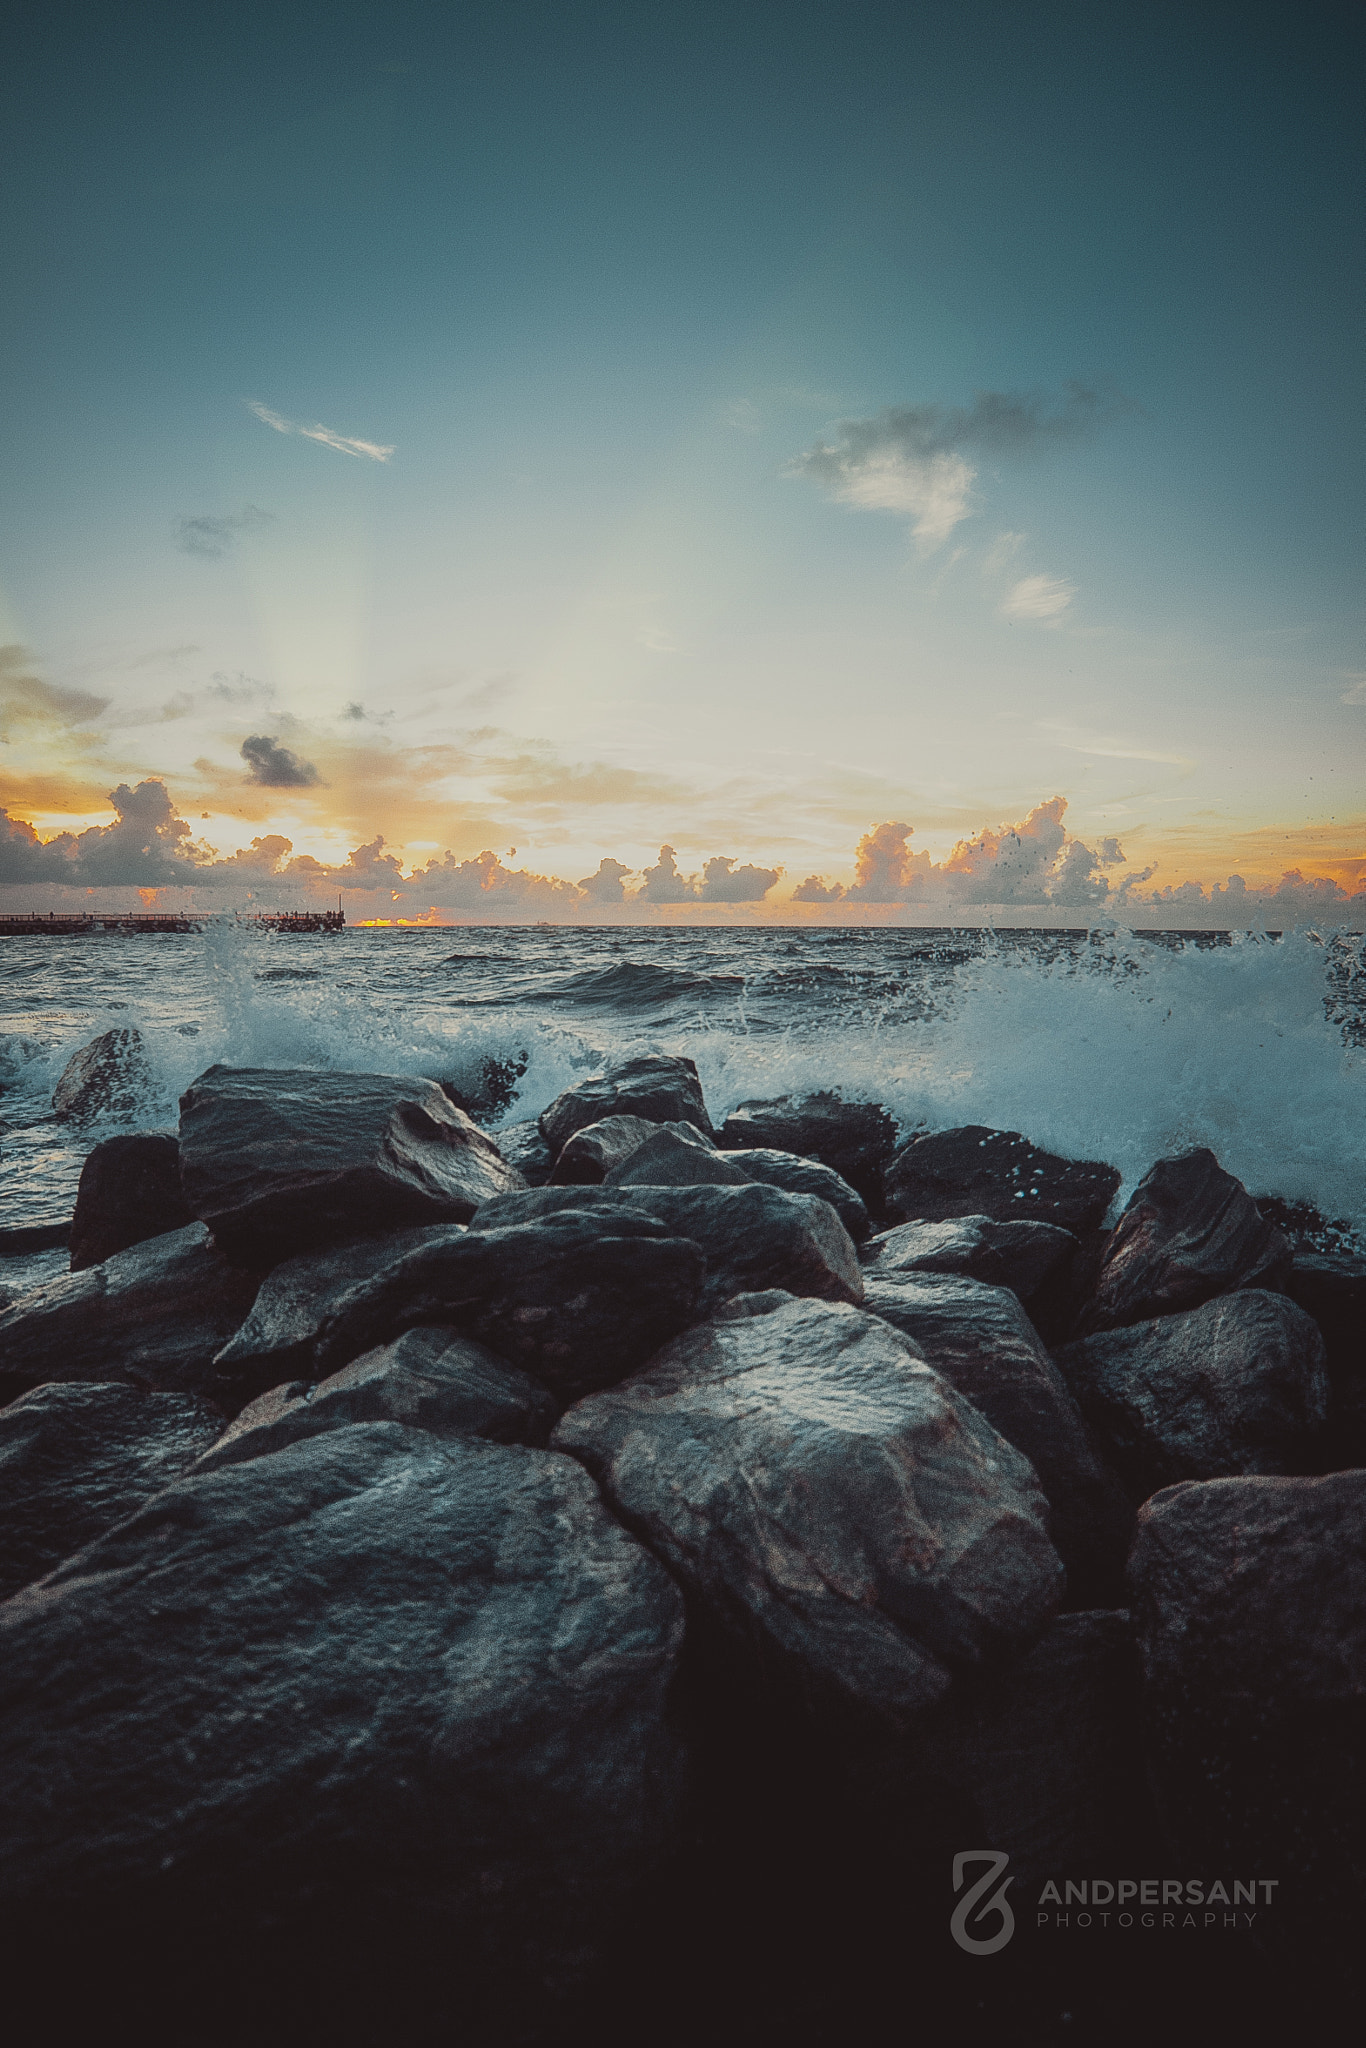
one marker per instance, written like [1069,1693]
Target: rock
[658,1087]
[376,1670]
[590,1155]
[526,1151]
[1331,1287]
[757,1237]
[1237,1386]
[982,1341]
[797,1176]
[109,1077]
[575,1299]
[278,1161]
[152,1316]
[669,1159]
[75,1459]
[294,1302]
[430,1378]
[979,1172]
[1021,1256]
[22,1238]
[806,1476]
[1190,1232]
[129,1191]
[1249,1600]
[856,1139]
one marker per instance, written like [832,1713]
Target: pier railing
[55,924]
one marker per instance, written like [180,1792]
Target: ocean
[1102,1045]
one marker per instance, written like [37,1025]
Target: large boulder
[798,1176]
[1238,1386]
[153,1316]
[975,1171]
[75,1459]
[378,1670]
[856,1139]
[575,1298]
[1331,1287]
[129,1191]
[658,1087]
[111,1076]
[981,1340]
[1021,1256]
[590,1155]
[673,1156]
[1249,1600]
[278,1161]
[429,1378]
[809,1478]
[1190,1232]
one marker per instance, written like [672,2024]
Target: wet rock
[757,1237]
[979,1172]
[108,1077]
[277,1340]
[75,1459]
[129,1191]
[1237,1386]
[1021,1256]
[1331,1287]
[1190,1232]
[1249,1599]
[277,1162]
[429,1378]
[856,1139]
[798,1176]
[981,1340]
[593,1152]
[669,1158]
[22,1238]
[376,1670]
[807,1477]
[657,1087]
[152,1316]
[526,1151]
[576,1299]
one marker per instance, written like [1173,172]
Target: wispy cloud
[212,535]
[1355,693]
[1039,600]
[346,444]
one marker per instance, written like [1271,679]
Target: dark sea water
[1105,1046]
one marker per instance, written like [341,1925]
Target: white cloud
[931,491]
[1002,553]
[1355,693]
[1039,600]
[372,451]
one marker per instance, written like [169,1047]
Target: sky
[901,461]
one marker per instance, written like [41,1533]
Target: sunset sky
[768,432]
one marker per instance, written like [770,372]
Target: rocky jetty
[507,1537]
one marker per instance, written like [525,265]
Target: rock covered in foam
[108,1077]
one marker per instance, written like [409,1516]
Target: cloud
[275,767]
[239,689]
[1355,693]
[606,885]
[816,890]
[723,882]
[213,536]
[1038,600]
[27,701]
[373,451]
[147,846]
[485,884]
[664,884]
[885,867]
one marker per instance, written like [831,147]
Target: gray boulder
[111,1076]
[975,1171]
[657,1087]
[378,1666]
[129,1191]
[1190,1232]
[429,1378]
[153,1316]
[1237,1386]
[1331,1287]
[807,1476]
[982,1341]
[798,1176]
[278,1161]
[855,1139]
[673,1156]
[1021,1256]
[75,1459]
[590,1155]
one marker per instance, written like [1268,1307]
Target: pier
[61,924]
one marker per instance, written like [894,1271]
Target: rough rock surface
[757,1237]
[430,1378]
[279,1161]
[1021,1256]
[75,1459]
[129,1191]
[975,1171]
[1236,1386]
[375,1665]
[1249,1599]
[526,1151]
[153,1316]
[857,1139]
[108,1077]
[1190,1232]
[673,1156]
[575,1299]
[798,1176]
[1331,1287]
[658,1087]
[980,1338]
[590,1155]
[807,1476]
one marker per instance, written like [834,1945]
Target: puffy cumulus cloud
[815,889]
[664,884]
[1038,600]
[272,766]
[606,886]
[213,535]
[1036,861]
[1014,863]
[1295,898]
[723,882]
[28,704]
[147,846]
[485,884]
[885,869]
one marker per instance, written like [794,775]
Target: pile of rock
[395,1515]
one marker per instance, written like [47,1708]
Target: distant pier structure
[58,924]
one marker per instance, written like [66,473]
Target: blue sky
[610,285]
